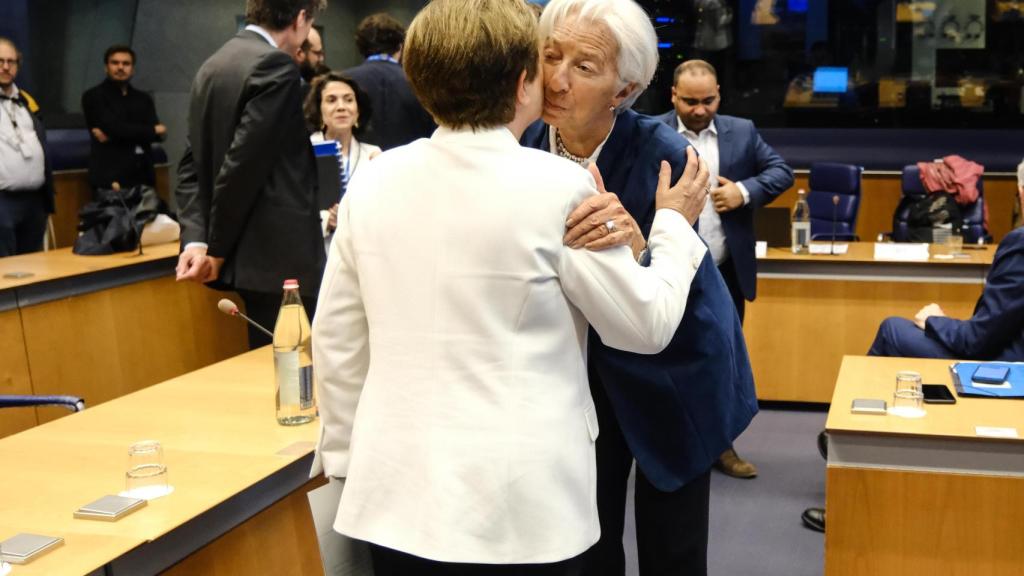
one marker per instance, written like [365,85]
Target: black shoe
[814,518]
[823,444]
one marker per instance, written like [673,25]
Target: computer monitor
[831,80]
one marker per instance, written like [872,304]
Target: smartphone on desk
[993,375]
[937,394]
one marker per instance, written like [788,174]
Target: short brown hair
[379,33]
[279,14]
[464,57]
[311,108]
[693,66]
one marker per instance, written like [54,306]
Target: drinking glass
[956,244]
[907,404]
[940,236]
[908,380]
[147,474]
[908,398]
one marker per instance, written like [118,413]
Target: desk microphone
[835,218]
[231,309]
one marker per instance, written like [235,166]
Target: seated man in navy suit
[994,332]
[746,174]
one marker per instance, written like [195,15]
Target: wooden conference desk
[812,310]
[238,506]
[908,497]
[102,326]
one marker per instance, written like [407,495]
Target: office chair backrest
[913,190]
[829,179]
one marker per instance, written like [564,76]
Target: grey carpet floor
[755,524]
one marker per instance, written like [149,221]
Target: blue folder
[963,371]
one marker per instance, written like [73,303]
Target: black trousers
[22,222]
[388,562]
[671,527]
[262,307]
[732,281]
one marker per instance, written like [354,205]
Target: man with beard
[123,124]
[311,57]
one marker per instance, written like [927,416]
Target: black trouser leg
[614,460]
[672,527]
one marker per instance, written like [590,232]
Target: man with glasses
[745,174]
[26,185]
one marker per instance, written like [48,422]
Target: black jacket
[398,117]
[128,120]
[248,183]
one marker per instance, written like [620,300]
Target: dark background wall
[63,43]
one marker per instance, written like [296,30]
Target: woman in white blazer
[340,110]
[449,341]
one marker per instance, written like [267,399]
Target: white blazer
[449,346]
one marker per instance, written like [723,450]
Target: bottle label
[286,365]
[306,387]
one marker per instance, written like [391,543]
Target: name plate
[899,252]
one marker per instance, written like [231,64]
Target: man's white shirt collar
[683,129]
[262,32]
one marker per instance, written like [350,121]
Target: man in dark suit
[123,124]
[749,175]
[26,181]
[247,190]
[398,117]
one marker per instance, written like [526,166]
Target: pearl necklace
[560,147]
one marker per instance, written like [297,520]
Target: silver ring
[610,225]
[707,189]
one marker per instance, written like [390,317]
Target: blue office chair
[913,190]
[72,403]
[829,179]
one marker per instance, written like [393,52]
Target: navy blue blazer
[679,409]
[996,330]
[397,117]
[743,156]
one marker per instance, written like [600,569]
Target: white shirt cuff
[744,192]
[202,245]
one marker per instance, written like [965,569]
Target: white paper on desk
[827,248]
[901,252]
[341,555]
[996,432]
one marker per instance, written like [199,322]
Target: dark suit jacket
[996,330]
[398,117]
[680,409]
[248,182]
[128,120]
[744,157]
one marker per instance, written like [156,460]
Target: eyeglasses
[12,62]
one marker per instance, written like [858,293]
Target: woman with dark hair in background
[340,110]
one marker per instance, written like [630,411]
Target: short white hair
[630,27]
[1020,174]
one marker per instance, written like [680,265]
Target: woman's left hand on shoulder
[601,222]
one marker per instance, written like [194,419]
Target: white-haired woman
[674,412]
